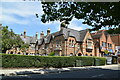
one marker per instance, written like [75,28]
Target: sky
[20,15]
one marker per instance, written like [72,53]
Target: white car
[118,53]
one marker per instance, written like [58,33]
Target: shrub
[98,61]
[14,61]
[85,60]
[51,54]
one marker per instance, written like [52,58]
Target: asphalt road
[112,72]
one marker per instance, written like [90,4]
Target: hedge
[99,61]
[24,61]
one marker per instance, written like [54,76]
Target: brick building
[116,39]
[66,42]
[27,40]
[103,42]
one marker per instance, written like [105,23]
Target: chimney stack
[64,24]
[24,33]
[36,35]
[48,31]
[0,24]
[41,34]
[21,34]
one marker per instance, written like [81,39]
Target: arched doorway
[79,54]
[11,52]
[90,54]
[26,53]
[86,54]
[71,54]
[18,52]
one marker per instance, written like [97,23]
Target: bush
[85,60]
[98,61]
[14,61]
[51,54]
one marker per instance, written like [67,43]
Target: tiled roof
[99,34]
[28,39]
[66,32]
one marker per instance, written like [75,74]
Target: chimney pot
[48,31]
[36,35]
[41,34]
[24,33]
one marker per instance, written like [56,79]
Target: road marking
[101,75]
[94,76]
[97,75]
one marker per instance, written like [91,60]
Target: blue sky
[20,16]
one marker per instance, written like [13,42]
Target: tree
[114,30]
[10,39]
[95,14]
[24,47]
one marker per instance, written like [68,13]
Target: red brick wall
[116,39]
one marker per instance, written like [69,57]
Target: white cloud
[77,24]
[0,13]
[11,0]
[25,10]
[74,26]
[50,23]
[10,19]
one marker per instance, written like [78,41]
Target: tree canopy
[10,39]
[114,30]
[95,14]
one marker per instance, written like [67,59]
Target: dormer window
[103,44]
[109,45]
[72,43]
[89,44]
[57,43]
[78,45]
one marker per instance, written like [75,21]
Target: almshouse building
[66,42]
[27,40]
[116,39]
[103,42]
[70,42]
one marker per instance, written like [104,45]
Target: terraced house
[66,42]
[28,40]
[103,43]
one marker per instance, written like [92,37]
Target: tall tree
[114,30]
[95,14]
[10,39]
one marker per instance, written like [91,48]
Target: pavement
[26,71]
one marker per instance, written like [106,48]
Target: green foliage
[106,51]
[52,54]
[86,60]
[96,14]
[24,47]
[99,61]
[14,61]
[114,30]
[10,39]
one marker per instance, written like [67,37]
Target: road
[112,72]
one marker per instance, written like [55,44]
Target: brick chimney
[24,33]
[36,35]
[41,34]
[63,24]
[0,24]
[48,31]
